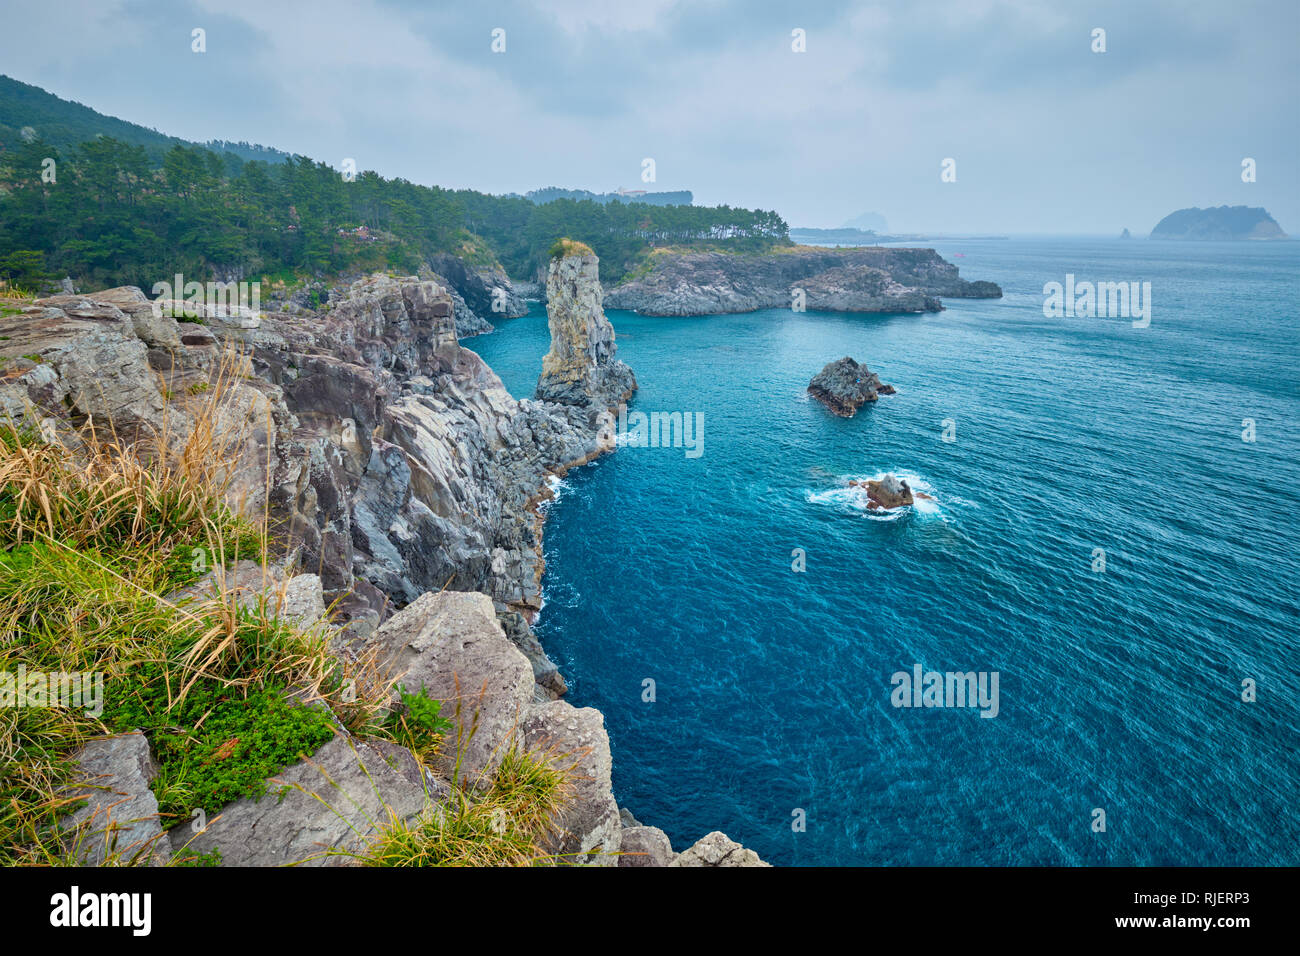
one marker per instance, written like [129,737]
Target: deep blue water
[1118,690]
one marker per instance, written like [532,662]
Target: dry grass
[508,821]
[97,534]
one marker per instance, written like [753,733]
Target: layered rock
[868,279]
[580,369]
[401,472]
[397,461]
[844,386]
[479,295]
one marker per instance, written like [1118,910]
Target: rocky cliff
[872,279]
[405,481]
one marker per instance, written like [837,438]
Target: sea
[1112,533]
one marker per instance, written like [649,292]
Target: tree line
[107,213]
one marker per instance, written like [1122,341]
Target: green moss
[220,744]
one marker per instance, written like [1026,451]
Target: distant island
[1222,222]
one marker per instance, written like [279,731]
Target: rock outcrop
[398,463]
[318,811]
[844,386]
[645,846]
[868,279]
[478,295]
[580,369]
[450,645]
[590,830]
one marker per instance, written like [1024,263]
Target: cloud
[1048,135]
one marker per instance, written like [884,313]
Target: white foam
[856,499]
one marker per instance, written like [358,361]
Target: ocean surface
[1119,689]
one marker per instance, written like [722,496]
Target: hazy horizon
[1049,137]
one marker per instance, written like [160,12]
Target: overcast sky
[1048,136]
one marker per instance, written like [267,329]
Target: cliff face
[403,476]
[398,461]
[874,279]
[1219,223]
[580,369]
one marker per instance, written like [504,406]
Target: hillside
[65,124]
[132,205]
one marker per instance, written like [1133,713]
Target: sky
[1047,136]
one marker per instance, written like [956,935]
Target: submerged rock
[844,386]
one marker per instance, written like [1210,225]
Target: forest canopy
[107,213]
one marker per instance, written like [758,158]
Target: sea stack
[844,386]
[580,369]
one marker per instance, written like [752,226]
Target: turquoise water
[1119,690]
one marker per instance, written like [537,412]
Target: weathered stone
[864,279]
[331,801]
[119,822]
[844,386]
[575,739]
[450,644]
[717,849]
[890,491]
[580,368]
[645,846]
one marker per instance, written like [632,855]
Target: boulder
[645,846]
[717,849]
[332,801]
[575,740]
[451,644]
